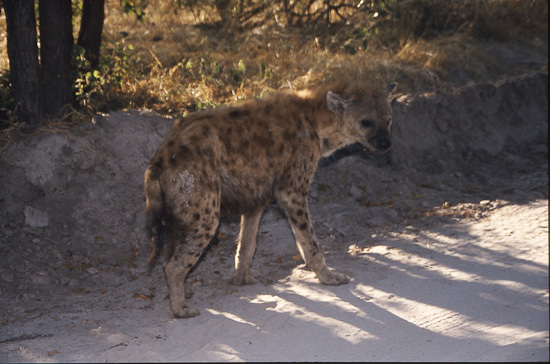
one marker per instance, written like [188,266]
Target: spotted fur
[234,160]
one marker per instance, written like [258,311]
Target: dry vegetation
[184,54]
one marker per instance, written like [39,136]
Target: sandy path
[459,290]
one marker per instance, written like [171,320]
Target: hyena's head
[367,117]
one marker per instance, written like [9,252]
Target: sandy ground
[446,241]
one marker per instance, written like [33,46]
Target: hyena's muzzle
[380,143]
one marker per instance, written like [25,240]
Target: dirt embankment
[74,197]
[72,208]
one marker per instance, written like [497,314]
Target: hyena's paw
[332,278]
[184,311]
[240,279]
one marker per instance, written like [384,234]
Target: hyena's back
[245,153]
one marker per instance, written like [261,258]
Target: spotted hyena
[235,160]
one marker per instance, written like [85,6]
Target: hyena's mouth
[379,144]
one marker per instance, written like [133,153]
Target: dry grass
[176,60]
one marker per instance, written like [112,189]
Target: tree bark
[91,27]
[56,38]
[23,57]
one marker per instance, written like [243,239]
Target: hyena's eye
[366,123]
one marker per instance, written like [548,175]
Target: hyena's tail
[154,213]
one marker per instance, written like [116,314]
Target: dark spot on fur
[207,211]
[211,163]
[288,135]
[184,150]
[196,216]
[293,220]
[189,265]
[158,163]
[267,109]
[300,212]
[303,226]
[326,143]
[195,139]
[308,120]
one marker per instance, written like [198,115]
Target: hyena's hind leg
[186,247]
[246,245]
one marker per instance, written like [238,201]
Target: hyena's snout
[380,142]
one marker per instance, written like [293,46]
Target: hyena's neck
[330,130]
[328,125]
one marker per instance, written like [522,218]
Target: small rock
[355,192]
[92,270]
[73,282]
[41,279]
[484,202]
[313,193]
[35,218]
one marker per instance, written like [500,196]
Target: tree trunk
[91,27]
[56,38]
[23,57]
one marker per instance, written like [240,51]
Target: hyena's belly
[242,192]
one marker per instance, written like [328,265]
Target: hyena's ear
[336,103]
[388,90]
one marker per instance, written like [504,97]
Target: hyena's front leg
[296,208]
[246,245]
